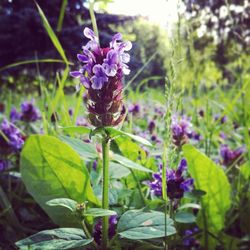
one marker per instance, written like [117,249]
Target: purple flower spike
[29,113]
[99,78]
[12,141]
[101,74]
[230,157]
[177,184]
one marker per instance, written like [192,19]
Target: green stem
[105,198]
[87,233]
[92,17]
[138,186]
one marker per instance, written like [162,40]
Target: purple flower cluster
[11,140]
[101,74]
[101,64]
[4,164]
[182,130]
[231,156]
[177,183]
[29,113]
[97,233]
[189,240]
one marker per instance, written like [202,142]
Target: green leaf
[245,170]
[51,169]
[49,60]
[52,35]
[138,225]
[64,202]
[210,178]
[85,150]
[190,205]
[77,129]
[112,132]
[117,171]
[99,212]
[129,164]
[61,238]
[184,217]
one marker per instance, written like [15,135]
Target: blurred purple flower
[29,113]
[151,126]
[134,109]
[230,157]
[182,130]
[189,239]
[4,164]
[97,233]
[177,183]
[11,140]
[14,115]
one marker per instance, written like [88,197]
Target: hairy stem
[105,187]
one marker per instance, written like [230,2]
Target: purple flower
[29,113]
[11,140]
[97,233]
[177,183]
[134,109]
[101,74]
[189,239]
[94,166]
[151,126]
[99,78]
[230,157]
[110,63]
[14,115]
[4,164]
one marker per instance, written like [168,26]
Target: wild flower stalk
[101,74]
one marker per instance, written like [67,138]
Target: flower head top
[29,112]
[101,74]
[230,156]
[177,183]
[182,130]
[11,140]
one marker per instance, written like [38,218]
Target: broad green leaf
[117,171]
[99,212]
[210,178]
[51,169]
[190,205]
[63,202]
[114,132]
[85,150]
[184,217]
[138,225]
[61,238]
[129,164]
[51,34]
[77,129]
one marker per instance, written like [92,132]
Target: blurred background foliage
[210,41]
